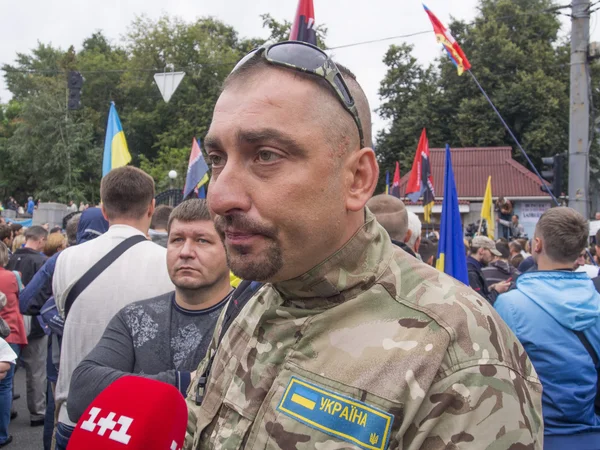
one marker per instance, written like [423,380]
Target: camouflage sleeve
[191,392]
[483,406]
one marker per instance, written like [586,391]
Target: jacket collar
[502,265]
[351,270]
[473,262]
[404,247]
[26,251]
[121,230]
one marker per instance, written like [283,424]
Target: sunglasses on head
[309,59]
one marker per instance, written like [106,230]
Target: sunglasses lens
[298,55]
[339,82]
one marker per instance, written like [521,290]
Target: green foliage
[167,160]
[517,55]
[46,152]
[50,153]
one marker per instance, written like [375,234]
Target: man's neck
[140,225]
[546,264]
[204,298]
[31,246]
[476,258]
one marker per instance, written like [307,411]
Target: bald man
[350,343]
[392,215]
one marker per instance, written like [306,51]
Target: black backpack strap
[597,282]
[100,267]
[592,352]
[240,296]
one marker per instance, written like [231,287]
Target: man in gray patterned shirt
[165,337]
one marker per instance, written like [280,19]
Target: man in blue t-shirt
[30,206]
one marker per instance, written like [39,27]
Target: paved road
[24,436]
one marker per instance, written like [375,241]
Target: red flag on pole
[420,182]
[444,37]
[395,191]
[303,28]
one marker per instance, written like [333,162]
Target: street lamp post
[172,177]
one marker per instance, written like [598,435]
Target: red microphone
[133,413]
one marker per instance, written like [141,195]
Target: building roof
[473,166]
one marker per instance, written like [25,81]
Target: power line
[555,10]
[381,40]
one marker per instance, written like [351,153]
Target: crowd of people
[27,209]
[341,334]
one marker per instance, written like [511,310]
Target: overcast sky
[69,22]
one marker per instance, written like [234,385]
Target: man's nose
[228,191]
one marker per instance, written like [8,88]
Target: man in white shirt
[127,197]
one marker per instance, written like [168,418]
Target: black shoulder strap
[99,267]
[592,352]
[240,296]
[597,283]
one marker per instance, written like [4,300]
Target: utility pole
[579,126]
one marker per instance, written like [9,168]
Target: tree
[68,161]
[517,55]
[51,153]
[47,151]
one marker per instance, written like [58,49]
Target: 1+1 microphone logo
[108,423]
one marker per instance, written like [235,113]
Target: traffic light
[74,83]
[553,173]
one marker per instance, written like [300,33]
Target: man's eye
[267,156]
[216,160]
[202,241]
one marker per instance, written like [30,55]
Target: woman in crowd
[18,242]
[55,243]
[17,338]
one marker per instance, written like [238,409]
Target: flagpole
[514,138]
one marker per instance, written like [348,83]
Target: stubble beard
[261,267]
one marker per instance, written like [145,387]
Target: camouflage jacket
[371,349]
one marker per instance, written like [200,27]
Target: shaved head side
[334,117]
[391,213]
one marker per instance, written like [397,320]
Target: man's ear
[538,245]
[362,173]
[151,208]
[408,236]
[104,212]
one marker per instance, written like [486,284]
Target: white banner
[532,211]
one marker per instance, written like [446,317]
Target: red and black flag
[395,190]
[445,38]
[420,182]
[303,28]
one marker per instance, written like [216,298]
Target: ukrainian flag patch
[336,414]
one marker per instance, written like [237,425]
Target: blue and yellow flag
[387,181]
[116,153]
[451,254]
[202,186]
